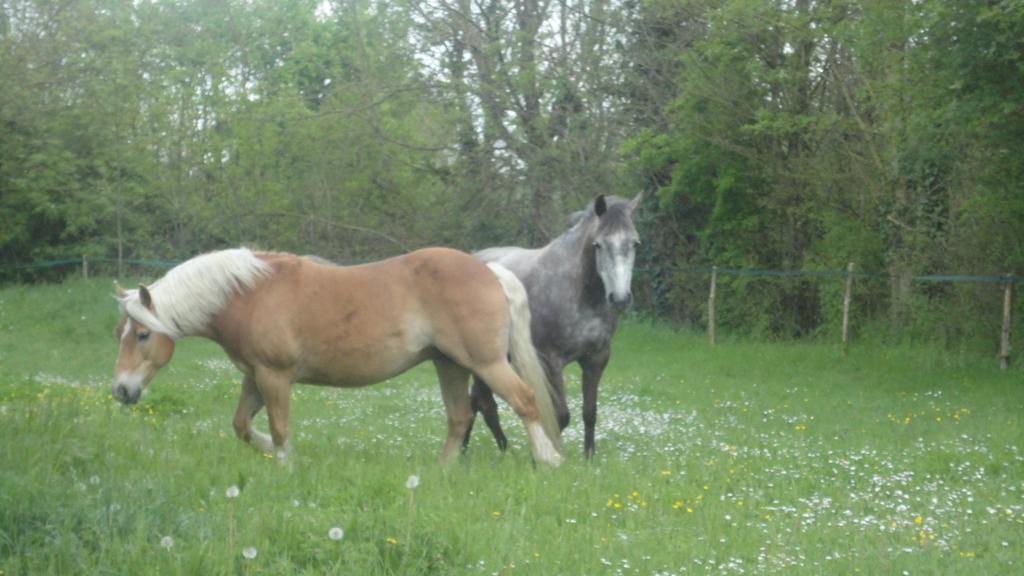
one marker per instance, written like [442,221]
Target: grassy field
[743,458]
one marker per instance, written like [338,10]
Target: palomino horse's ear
[600,206]
[118,290]
[144,296]
[636,201]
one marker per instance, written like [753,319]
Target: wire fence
[1007,280]
[85,262]
[992,278]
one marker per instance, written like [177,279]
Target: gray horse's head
[615,242]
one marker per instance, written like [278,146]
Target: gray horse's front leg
[558,393]
[482,400]
[593,367]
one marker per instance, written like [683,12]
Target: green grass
[746,457]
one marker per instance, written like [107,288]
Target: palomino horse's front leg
[593,368]
[275,389]
[249,404]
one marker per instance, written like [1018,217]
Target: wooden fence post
[846,304]
[85,267]
[1004,341]
[711,305]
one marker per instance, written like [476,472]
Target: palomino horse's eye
[143,336]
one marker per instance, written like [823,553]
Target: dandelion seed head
[412,482]
[249,553]
[232,492]
[167,542]
[336,533]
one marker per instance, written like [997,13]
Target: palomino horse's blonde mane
[192,292]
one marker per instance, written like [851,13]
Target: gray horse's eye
[597,246]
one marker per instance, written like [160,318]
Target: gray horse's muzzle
[620,303]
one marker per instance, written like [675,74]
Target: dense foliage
[787,134]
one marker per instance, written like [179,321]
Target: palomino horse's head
[615,243]
[144,349]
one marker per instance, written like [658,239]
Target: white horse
[578,285]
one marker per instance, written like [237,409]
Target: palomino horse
[577,286]
[284,319]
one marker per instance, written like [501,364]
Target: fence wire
[746,272]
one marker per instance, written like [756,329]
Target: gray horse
[577,286]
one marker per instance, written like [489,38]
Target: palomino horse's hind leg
[249,404]
[484,403]
[454,381]
[504,381]
[275,388]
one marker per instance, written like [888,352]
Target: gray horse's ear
[145,297]
[600,206]
[636,201]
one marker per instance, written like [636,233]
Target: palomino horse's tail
[524,356]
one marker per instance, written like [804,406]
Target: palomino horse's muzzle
[127,389]
[126,395]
